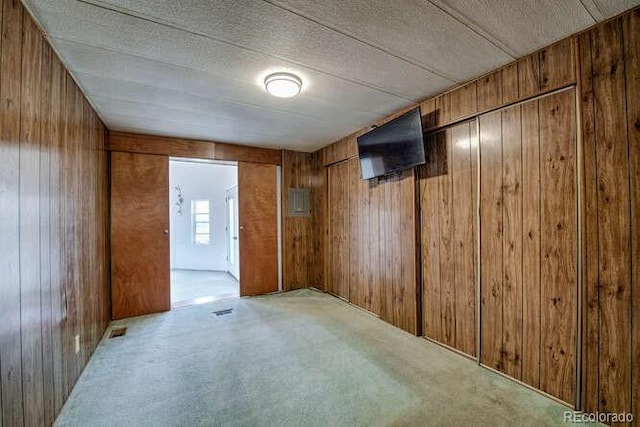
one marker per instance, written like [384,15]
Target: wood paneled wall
[529,242]
[371,243]
[538,73]
[54,225]
[610,104]
[303,237]
[448,206]
[297,231]
[603,65]
[541,72]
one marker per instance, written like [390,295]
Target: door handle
[166,231]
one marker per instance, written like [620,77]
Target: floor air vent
[223,312]
[118,332]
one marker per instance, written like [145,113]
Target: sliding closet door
[139,234]
[448,200]
[528,242]
[372,254]
[339,236]
[258,217]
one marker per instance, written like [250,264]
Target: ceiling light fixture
[283,85]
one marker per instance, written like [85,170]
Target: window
[200,218]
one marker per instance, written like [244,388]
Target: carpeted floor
[289,359]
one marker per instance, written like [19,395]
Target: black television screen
[392,147]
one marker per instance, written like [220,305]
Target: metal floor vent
[118,332]
[223,312]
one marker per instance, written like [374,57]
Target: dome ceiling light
[283,85]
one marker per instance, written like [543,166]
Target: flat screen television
[395,146]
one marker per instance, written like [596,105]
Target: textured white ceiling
[193,68]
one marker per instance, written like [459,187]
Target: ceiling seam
[74,70]
[205,112]
[469,23]
[589,11]
[140,129]
[365,42]
[200,126]
[218,98]
[237,45]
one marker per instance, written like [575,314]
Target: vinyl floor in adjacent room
[289,359]
[189,287]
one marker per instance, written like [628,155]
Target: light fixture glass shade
[283,85]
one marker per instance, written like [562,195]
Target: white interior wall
[199,181]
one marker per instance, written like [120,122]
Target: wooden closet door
[448,198]
[258,217]
[339,238]
[139,234]
[528,242]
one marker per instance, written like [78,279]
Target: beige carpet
[291,359]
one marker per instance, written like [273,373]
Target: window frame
[196,237]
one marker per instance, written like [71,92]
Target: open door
[140,277]
[258,217]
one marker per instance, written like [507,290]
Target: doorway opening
[203,218]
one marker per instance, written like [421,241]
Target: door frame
[234,192]
[197,150]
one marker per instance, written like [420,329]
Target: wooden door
[139,234]
[258,216]
[448,198]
